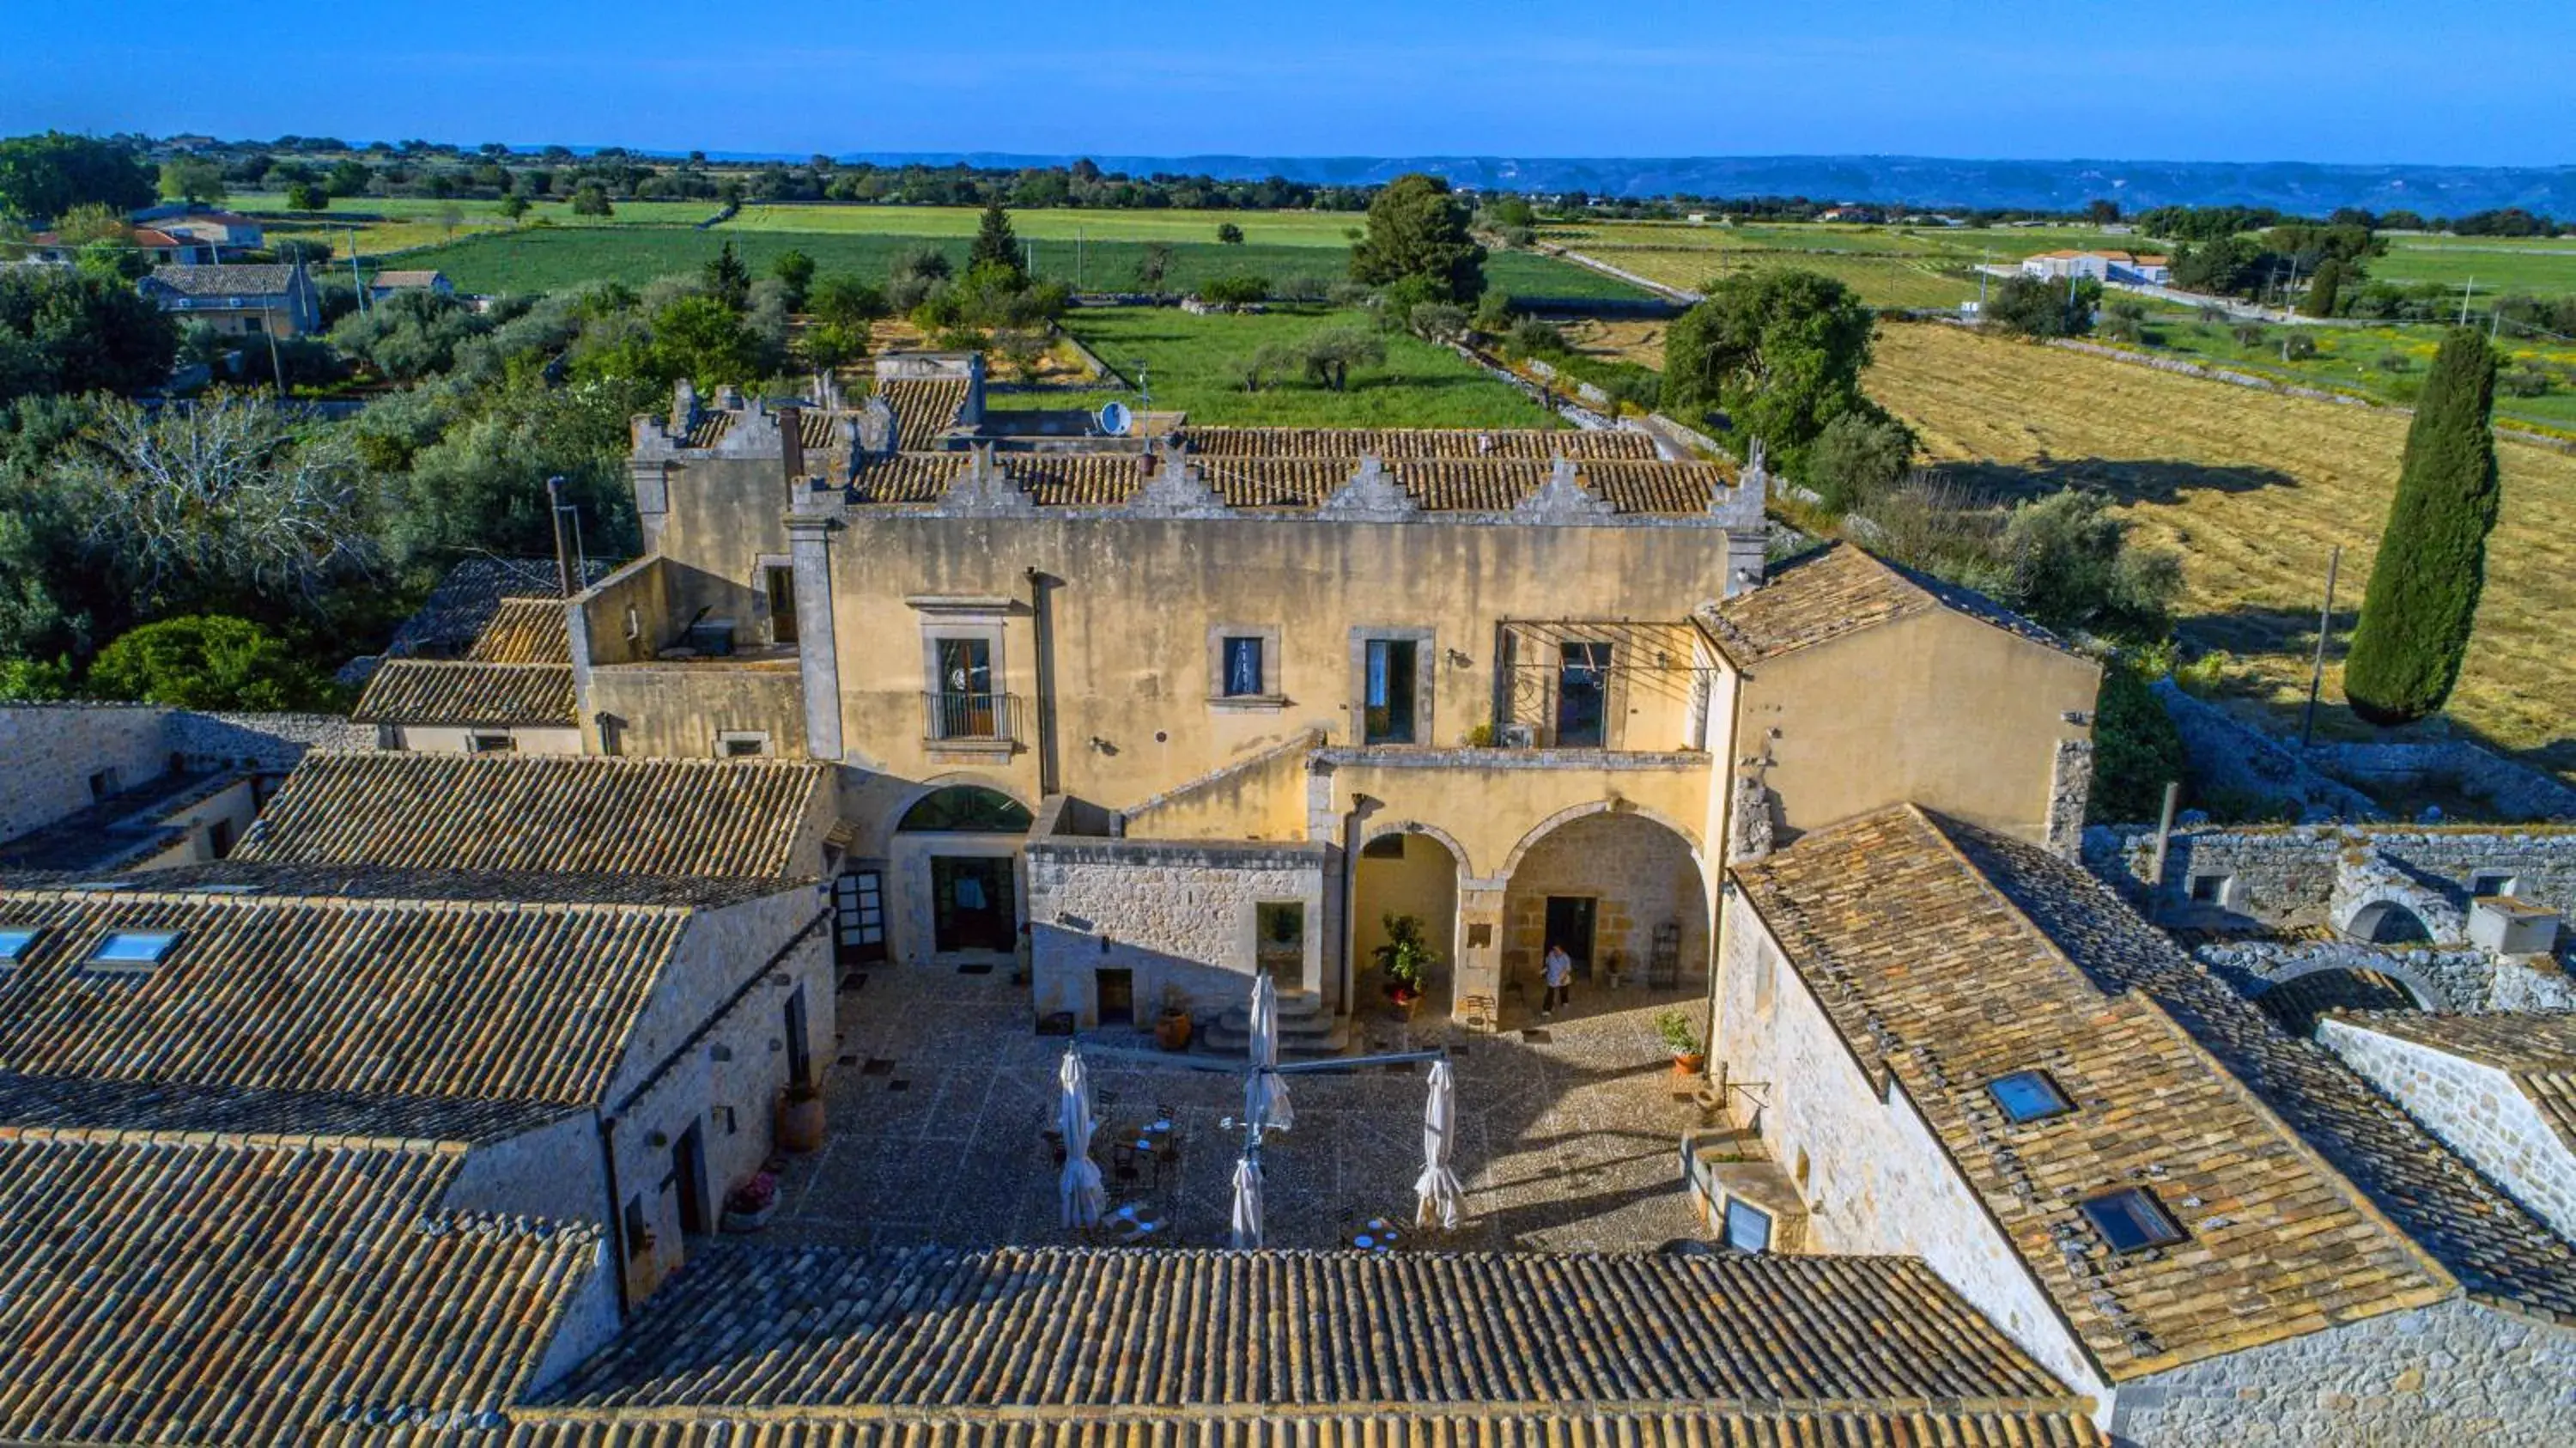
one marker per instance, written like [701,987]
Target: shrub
[2527,380]
[1437,321]
[2249,334]
[2136,749]
[1856,458]
[209,661]
[1229,233]
[2298,347]
[1530,337]
[1241,290]
[2393,362]
[2424,586]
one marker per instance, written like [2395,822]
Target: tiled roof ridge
[247,900]
[1800,1409]
[532,762]
[231,1140]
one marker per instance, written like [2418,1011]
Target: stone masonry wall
[2474,1107]
[1180,917]
[1640,873]
[2455,1372]
[48,752]
[2287,876]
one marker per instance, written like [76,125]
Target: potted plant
[1682,1041]
[748,1207]
[1405,958]
[800,1118]
[1172,1027]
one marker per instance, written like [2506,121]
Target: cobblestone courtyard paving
[940,1094]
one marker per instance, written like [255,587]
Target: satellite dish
[1115,419]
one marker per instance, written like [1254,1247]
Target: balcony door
[966,708]
[1582,712]
[1389,693]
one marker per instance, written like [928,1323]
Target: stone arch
[1642,874]
[1380,829]
[1428,882]
[2300,992]
[1568,815]
[2387,922]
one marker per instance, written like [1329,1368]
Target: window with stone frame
[1243,665]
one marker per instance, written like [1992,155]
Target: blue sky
[2362,80]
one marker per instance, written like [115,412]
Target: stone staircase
[1306,1029]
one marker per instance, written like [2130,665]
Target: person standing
[1559,975]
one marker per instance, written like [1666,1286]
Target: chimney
[684,407]
[791,439]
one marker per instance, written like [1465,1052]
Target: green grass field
[546,259]
[2350,359]
[1268,228]
[2494,263]
[1187,359]
[384,225]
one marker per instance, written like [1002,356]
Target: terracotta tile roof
[453,692]
[907,477]
[2536,1048]
[524,631]
[156,1289]
[1403,444]
[738,818]
[1934,977]
[2496,1250]
[1838,590]
[924,407]
[236,876]
[62,1102]
[1527,1425]
[396,279]
[1109,480]
[472,1000]
[231,280]
[1088,1330]
[468,598]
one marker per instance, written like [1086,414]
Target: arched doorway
[2387,922]
[957,855]
[2296,1003]
[1405,872]
[1622,892]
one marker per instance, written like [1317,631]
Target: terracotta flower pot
[800,1122]
[1172,1031]
[1689,1065]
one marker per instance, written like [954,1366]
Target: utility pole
[563,557]
[356,277]
[2466,287]
[2325,627]
[1077,258]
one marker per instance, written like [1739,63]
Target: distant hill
[1925,181]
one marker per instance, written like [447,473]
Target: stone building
[2498,1089]
[510,693]
[1149,714]
[1967,1049]
[624,1037]
[124,787]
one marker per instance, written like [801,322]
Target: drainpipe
[1042,630]
[616,1212]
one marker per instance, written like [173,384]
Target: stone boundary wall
[2227,755]
[2475,1108]
[49,751]
[2513,791]
[270,742]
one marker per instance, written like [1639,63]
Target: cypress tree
[2320,301]
[2423,593]
[996,244]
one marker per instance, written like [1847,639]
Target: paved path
[940,1091]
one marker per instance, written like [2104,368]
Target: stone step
[1231,1035]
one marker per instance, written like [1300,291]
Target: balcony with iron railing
[953,719]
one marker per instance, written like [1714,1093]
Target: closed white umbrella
[1438,1185]
[1265,1096]
[1247,1203]
[1083,1196]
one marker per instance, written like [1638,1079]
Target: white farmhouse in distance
[2101,266]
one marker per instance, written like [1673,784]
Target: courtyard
[941,1094]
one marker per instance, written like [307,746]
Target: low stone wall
[269,742]
[1179,916]
[2228,757]
[2444,980]
[2287,875]
[2509,790]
